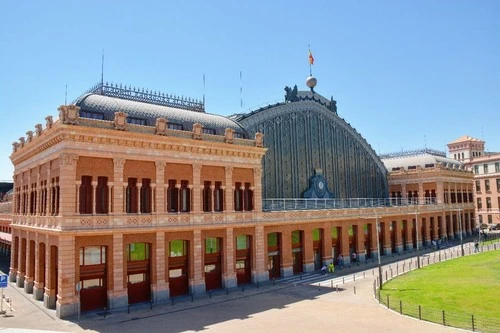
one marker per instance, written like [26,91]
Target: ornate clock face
[321,185]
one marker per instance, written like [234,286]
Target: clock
[321,185]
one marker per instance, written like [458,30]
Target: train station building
[133,196]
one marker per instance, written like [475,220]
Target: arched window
[247,198]
[146,196]
[172,196]
[86,195]
[131,196]
[101,196]
[207,202]
[218,197]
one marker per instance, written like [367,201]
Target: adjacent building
[486,168]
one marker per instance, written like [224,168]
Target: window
[131,196]
[463,156]
[92,255]
[478,186]
[173,126]
[487,185]
[247,198]
[238,198]
[136,121]
[479,203]
[485,168]
[429,165]
[497,166]
[488,202]
[178,248]
[86,195]
[218,197]
[490,219]
[146,196]
[209,131]
[101,196]
[242,242]
[476,169]
[207,196]
[211,245]
[138,251]
[239,135]
[92,115]
[172,196]
[498,184]
[480,219]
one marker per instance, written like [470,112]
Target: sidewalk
[289,305]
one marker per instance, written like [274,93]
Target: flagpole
[310,65]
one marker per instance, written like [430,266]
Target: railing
[307,204]
[474,322]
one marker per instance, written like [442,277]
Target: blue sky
[405,74]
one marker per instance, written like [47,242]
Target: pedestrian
[331,267]
[323,270]
[340,261]
[476,247]
[354,257]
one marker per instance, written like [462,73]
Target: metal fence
[468,321]
[304,204]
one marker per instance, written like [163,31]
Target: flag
[311,58]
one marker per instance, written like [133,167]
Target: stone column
[49,298]
[286,254]
[327,243]
[119,164]
[385,228]
[21,273]
[257,193]
[139,190]
[307,250]
[94,186]
[399,240]
[67,178]
[197,280]
[160,288]
[39,282]
[30,269]
[421,194]
[118,296]
[160,187]
[229,202]
[197,207]
[259,268]
[67,297]
[404,194]
[230,280]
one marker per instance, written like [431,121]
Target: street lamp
[378,250]
[461,231]
[416,236]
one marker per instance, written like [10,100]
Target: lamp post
[378,252]
[416,236]
[461,231]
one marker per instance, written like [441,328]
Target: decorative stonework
[21,142]
[197,169]
[15,146]
[49,122]
[29,136]
[160,165]
[259,139]
[38,129]
[161,126]
[229,135]
[257,172]
[120,122]
[197,131]
[69,114]
[119,162]
[68,159]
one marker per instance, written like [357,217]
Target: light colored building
[486,169]
[133,196]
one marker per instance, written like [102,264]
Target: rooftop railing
[306,204]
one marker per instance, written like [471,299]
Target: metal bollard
[337,287]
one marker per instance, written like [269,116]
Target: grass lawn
[465,286]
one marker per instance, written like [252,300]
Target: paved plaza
[311,302]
